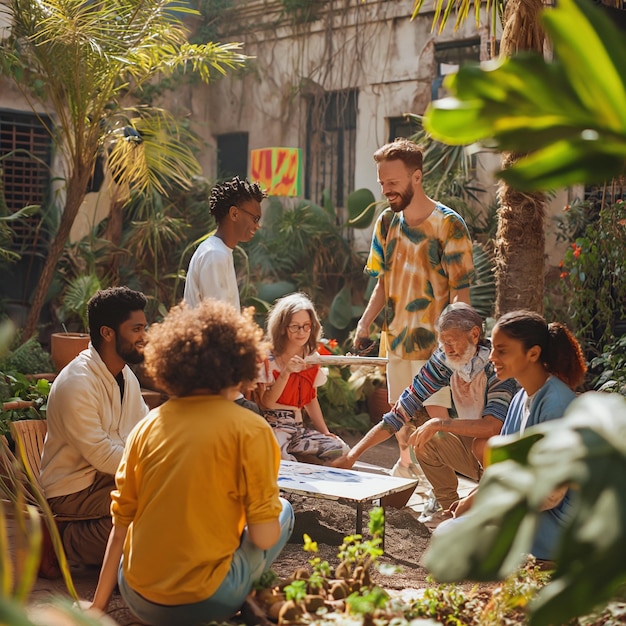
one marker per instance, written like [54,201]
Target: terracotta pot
[378,404]
[65,346]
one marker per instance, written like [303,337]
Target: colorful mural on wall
[279,170]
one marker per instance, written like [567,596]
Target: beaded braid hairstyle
[232,193]
[561,354]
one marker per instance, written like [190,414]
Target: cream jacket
[87,423]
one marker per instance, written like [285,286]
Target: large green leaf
[568,114]
[361,208]
[270,292]
[340,313]
[586,449]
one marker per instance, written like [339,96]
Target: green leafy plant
[511,599]
[356,554]
[77,62]
[483,289]
[566,114]
[612,367]
[303,246]
[585,449]
[26,358]
[22,398]
[338,397]
[76,297]
[594,277]
[445,603]
[296,591]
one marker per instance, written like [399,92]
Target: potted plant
[66,345]
[369,383]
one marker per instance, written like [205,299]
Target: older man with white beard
[445,447]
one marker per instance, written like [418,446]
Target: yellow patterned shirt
[420,266]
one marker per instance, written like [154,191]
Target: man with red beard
[444,446]
[421,255]
[94,403]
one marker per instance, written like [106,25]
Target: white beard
[458,363]
[471,364]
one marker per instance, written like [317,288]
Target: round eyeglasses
[296,328]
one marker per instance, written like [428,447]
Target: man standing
[236,207]
[93,405]
[421,254]
[443,446]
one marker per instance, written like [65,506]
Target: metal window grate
[26,151]
[330,145]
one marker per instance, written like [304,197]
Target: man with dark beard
[421,255]
[444,446]
[94,403]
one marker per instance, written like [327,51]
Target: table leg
[359,518]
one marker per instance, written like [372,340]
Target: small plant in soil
[318,589]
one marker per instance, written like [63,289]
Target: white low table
[333,483]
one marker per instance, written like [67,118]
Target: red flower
[332,344]
[322,349]
[566,207]
[577,252]
[563,275]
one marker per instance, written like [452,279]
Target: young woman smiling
[548,363]
[288,384]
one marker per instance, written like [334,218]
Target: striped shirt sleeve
[435,375]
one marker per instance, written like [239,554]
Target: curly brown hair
[209,347]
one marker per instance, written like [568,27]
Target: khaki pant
[85,539]
[441,458]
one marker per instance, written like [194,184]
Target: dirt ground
[326,522]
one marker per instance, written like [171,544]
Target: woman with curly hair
[548,363]
[196,513]
[289,384]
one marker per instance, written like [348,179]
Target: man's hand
[343,461]
[425,433]
[362,343]
[462,506]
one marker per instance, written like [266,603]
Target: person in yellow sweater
[196,514]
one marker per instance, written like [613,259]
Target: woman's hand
[295,364]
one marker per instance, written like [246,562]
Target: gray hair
[461,316]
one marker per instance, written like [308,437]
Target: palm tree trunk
[520,239]
[76,190]
[520,248]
